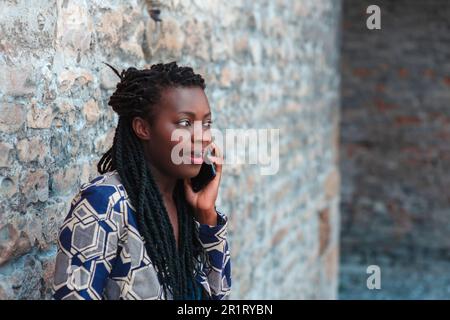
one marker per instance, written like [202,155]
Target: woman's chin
[191,170]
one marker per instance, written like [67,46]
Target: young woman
[138,230]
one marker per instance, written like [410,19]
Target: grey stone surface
[267,64]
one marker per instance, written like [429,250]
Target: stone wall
[267,64]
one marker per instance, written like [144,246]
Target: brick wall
[268,64]
[395,151]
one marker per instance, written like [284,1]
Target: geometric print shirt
[101,254]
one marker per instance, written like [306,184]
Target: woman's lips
[196,158]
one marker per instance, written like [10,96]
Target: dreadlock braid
[136,95]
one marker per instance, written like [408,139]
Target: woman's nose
[201,134]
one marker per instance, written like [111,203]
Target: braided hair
[137,94]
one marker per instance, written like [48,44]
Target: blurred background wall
[395,151]
[267,64]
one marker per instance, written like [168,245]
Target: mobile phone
[206,174]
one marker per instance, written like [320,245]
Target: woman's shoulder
[95,217]
[110,178]
[104,188]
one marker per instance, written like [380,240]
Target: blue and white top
[101,254]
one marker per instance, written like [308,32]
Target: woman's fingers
[217,151]
[217,158]
[217,164]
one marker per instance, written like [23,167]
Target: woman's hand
[204,200]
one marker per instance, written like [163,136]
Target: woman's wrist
[206,216]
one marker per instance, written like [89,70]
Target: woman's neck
[166,184]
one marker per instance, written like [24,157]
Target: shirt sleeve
[216,272]
[87,245]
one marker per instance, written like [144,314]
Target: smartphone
[206,174]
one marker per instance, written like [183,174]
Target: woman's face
[177,109]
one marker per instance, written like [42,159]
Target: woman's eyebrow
[192,114]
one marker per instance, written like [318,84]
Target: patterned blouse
[101,254]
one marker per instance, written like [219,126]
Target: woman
[138,230]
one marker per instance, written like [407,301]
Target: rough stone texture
[267,64]
[395,150]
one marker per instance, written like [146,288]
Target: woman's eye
[184,123]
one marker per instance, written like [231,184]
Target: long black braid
[136,95]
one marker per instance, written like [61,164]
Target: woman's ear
[141,128]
